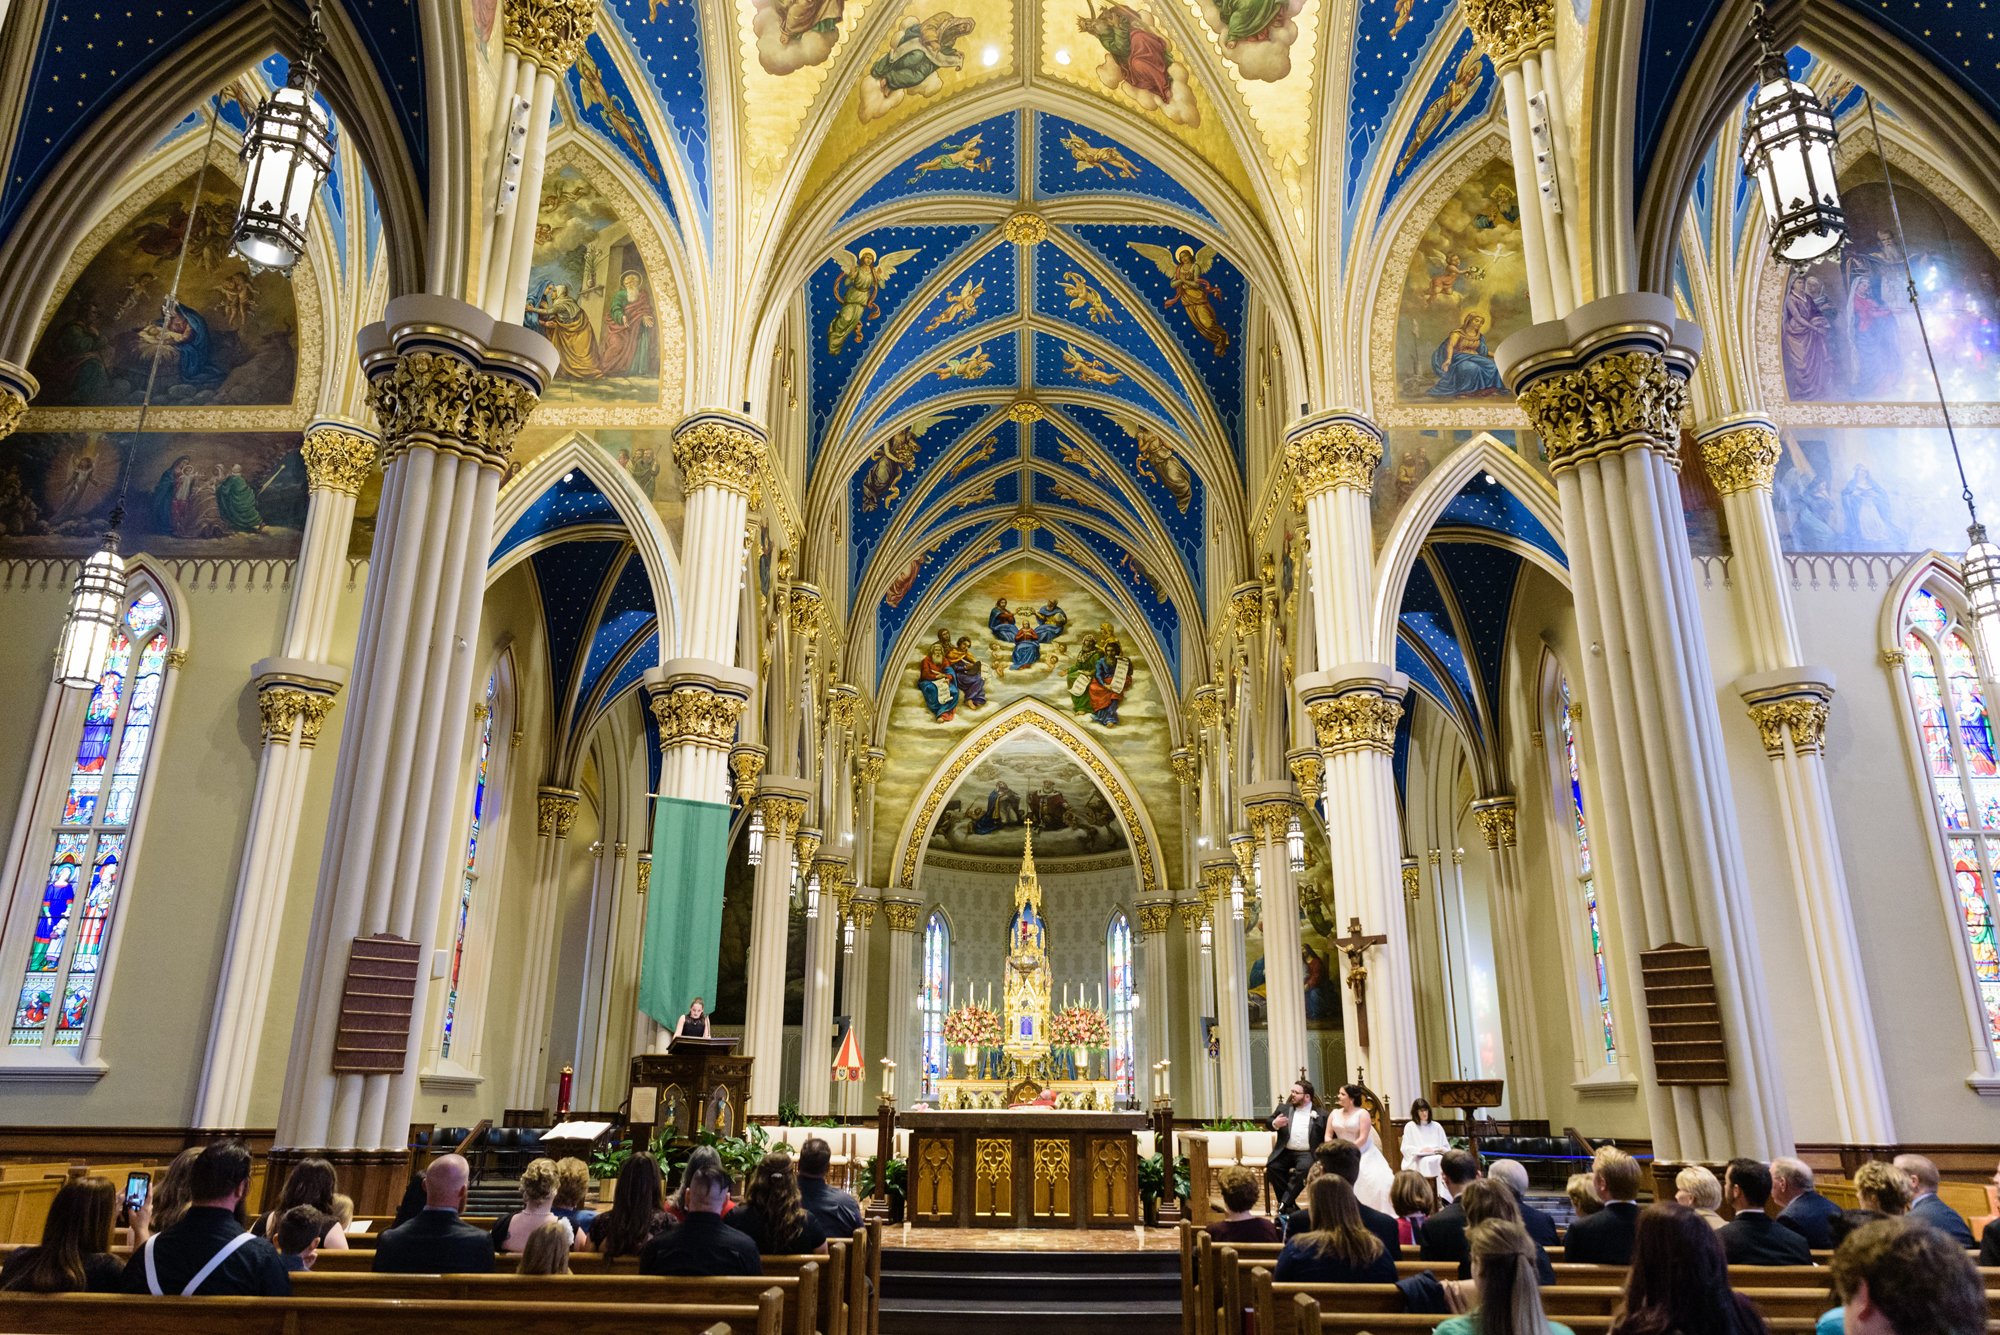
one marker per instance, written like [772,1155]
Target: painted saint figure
[567,325]
[628,329]
[1109,680]
[1808,321]
[185,334]
[855,287]
[968,673]
[1185,268]
[1131,40]
[1158,463]
[939,686]
[237,504]
[881,485]
[1464,367]
[1464,83]
[922,50]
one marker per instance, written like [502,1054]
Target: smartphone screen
[137,1187]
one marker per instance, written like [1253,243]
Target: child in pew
[297,1236]
[1505,1291]
[547,1252]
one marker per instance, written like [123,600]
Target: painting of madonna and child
[1466,289]
[1028,778]
[589,294]
[229,341]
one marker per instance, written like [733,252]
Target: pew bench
[1310,1320]
[93,1314]
[800,1293]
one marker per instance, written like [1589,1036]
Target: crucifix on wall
[1354,945]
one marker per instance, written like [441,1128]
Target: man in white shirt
[1300,1126]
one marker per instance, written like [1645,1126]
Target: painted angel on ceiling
[960,306]
[1109,159]
[1138,59]
[1082,296]
[882,484]
[1159,463]
[855,287]
[923,50]
[1185,267]
[792,34]
[964,157]
[1464,83]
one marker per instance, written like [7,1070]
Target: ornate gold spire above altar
[1025,994]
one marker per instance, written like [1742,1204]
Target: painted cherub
[1451,268]
[961,305]
[1087,369]
[1082,296]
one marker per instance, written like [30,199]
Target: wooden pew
[92,1314]
[1310,1320]
[800,1292]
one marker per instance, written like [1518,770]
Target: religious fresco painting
[590,295]
[232,339]
[1409,455]
[1139,58]
[646,456]
[189,494]
[1847,332]
[1319,958]
[1257,35]
[922,51]
[1028,778]
[1466,290]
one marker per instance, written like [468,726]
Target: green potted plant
[1153,1183]
[605,1165]
[897,1180]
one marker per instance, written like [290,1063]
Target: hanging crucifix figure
[1354,945]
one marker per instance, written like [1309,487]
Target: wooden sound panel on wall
[1683,1015]
[376,1004]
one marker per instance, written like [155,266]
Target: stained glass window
[469,872]
[64,972]
[937,982]
[1956,733]
[1118,972]
[1581,830]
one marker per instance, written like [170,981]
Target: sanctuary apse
[1323,528]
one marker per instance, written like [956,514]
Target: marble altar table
[1023,1168]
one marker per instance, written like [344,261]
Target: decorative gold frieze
[862,911]
[1269,821]
[1355,723]
[438,401]
[1510,30]
[1804,718]
[1207,705]
[714,452]
[840,703]
[550,32]
[555,812]
[1192,914]
[1308,769]
[808,846]
[1496,821]
[337,458]
[1243,847]
[312,717]
[280,707]
[804,610]
[1620,402]
[1027,229]
[1154,919]
[1742,458]
[1343,453]
[900,914]
[693,715]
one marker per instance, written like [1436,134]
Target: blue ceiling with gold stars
[602,628]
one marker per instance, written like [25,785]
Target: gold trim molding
[1742,458]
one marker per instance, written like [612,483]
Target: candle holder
[885,1145]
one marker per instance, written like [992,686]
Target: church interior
[1115,555]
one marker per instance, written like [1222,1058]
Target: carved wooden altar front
[1030,1168]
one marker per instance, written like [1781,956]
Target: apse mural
[1318,957]
[1847,333]
[1028,778]
[1466,290]
[233,337]
[590,295]
[194,494]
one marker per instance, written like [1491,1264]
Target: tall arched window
[93,833]
[1118,985]
[937,985]
[469,871]
[1570,801]
[1957,737]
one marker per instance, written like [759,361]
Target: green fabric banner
[683,907]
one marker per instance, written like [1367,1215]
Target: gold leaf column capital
[1331,450]
[1510,30]
[550,32]
[338,456]
[1496,821]
[1741,454]
[719,449]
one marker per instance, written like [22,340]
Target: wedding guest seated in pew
[209,1253]
[437,1241]
[572,1194]
[637,1211]
[312,1182]
[1849,1222]
[1927,1205]
[1696,1188]
[1583,1197]
[1540,1225]
[1507,1296]
[1411,1194]
[170,1194]
[1903,1277]
[1679,1281]
[538,1198]
[1605,1238]
[1801,1207]
[1489,1199]
[836,1212]
[1338,1248]
[1342,1158]
[773,1217]
[701,1245]
[1884,1187]
[75,1252]
[547,1252]
[1241,1222]
[1444,1232]
[1753,1237]
[297,1237]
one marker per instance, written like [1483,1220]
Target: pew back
[92,1314]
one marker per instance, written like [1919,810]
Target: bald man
[1929,1206]
[437,1241]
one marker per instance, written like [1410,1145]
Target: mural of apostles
[1099,676]
[1465,291]
[914,63]
[1846,331]
[1029,778]
[232,336]
[588,294]
[1139,59]
[950,677]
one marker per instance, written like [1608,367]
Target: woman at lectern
[695,1023]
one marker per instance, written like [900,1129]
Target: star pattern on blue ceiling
[1425,620]
[1072,455]
[1458,97]
[912,586]
[1052,368]
[1389,42]
[914,457]
[572,501]
[1073,159]
[666,41]
[981,161]
[605,103]
[1494,507]
[1174,493]
[602,627]
[1482,578]
[973,297]
[987,364]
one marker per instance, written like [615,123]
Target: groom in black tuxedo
[1299,1126]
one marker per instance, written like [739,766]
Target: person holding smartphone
[75,1252]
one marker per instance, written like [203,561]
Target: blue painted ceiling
[602,628]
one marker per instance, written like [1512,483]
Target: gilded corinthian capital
[1496,821]
[17,391]
[1510,30]
[437,400]
[1741,455]
[555,811]
[1804,719]
[697,716]
[717,449]
[550,32]
[338,457]
[1355,723]
[1333,450]
[1619,402]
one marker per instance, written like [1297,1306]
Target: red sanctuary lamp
[562,1091]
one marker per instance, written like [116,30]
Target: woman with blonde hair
[1339,1249]
[547,1252]
[1507,1294]
[1883,1186]
[538,1195]
[1696,1187]
[1582,1195]
[572,1190]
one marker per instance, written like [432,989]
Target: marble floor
[1031,1239]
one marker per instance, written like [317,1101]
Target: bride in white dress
[1351,1122]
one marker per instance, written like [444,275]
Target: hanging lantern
[1982,590]
[1207,935]
[287,152]
[1236,897]
[812,895]
[756,840]
[94,605]
[847,937]
[1295,844]
[1788,143]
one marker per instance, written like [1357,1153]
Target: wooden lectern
[697,1084]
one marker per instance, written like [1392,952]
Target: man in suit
[836,1212]
[1928,1206]
[1800,1206]
[1444,1232]
[437,1241]
[1753,1237]
[1605,1238]
[1540,1226]
[1342,1158]
[1300,1127]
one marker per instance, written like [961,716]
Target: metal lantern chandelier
[755,853]
[1788,142]
[287,152]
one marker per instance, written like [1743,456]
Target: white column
[854,996]
[816,1021]
[1789,702]
[451,388]
[1519,37]
[1155,986]
[1270,808]
[1197,1083]
[1513,959]
[900,1047]
[527,1081]
[1606,389]
[1232,992]
[783,802]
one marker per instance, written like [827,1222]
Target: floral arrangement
[972,1027]
[1079,1027]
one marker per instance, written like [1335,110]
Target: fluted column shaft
[854,998]
[555,813]
[1155,985]
[770,920]
[816,1019]
[1196,1083]
[450,388]
[1270,812]
[1232,989]
[901,917]
[1513,958]
[1789,702]
[1607,389]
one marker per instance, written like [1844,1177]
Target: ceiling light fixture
[287,152]
[1788,143]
